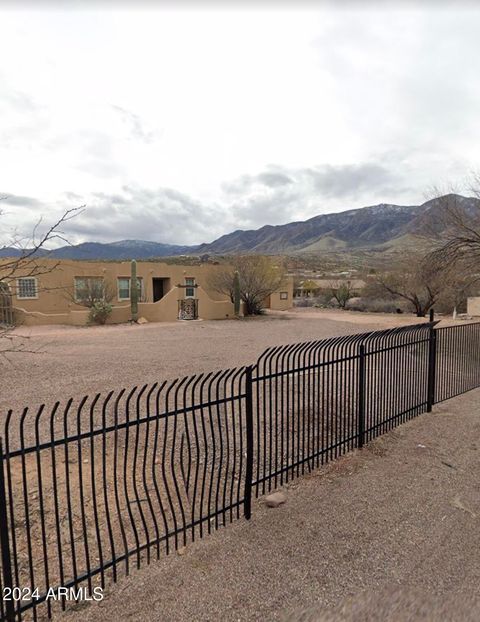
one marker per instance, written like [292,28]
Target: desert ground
[75,361]
[385,534]
[345,529]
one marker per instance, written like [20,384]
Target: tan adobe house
[167,292]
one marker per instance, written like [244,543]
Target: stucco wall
[473,306]
[209,309]
[277,301]
[56,285]
[55,303]
[35,318]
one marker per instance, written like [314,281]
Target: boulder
[275,499]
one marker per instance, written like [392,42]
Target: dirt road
[74,361]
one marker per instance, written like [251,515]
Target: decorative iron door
[188,309]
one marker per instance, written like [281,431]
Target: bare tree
[341,292]
[25,253]
[458,287]
[222,281]
[417,280]
[456,229]
[259,277]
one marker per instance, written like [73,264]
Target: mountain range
[373,227]
[124,249]
[377,226]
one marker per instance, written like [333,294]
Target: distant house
[306,289]
[168,292]
[310,288]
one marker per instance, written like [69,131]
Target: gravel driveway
[74,361]
[389,533]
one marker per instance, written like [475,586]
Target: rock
[182,550]
[275,499]
[456,502]
[142,320]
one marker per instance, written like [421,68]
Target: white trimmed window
[123,287]
[89,288]
[27,287]
[189,287]
[283,295]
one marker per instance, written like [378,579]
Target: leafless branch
[26,264]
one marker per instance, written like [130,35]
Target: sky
[182,123]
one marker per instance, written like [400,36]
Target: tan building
[167,292]
[473,306]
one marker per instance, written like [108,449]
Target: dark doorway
[160,288]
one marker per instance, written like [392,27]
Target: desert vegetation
[96,295]
[411,285]
[438,267]
[254,277]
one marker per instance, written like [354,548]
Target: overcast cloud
[182,125]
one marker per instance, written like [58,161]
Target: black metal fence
[317,400]
[89,491]
[458,360]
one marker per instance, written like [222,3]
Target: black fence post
[432,362]
[361,397]
[432,315]
[4,541]
[249,442]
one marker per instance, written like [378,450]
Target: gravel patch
[390,532]
[74,361]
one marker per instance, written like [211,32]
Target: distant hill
[367,227]
[124,249]
[377,227]
[8,251]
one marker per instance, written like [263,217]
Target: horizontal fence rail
[90,490]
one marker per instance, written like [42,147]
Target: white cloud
[352,105]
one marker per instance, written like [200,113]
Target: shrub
[314,301]
[99,312]
[375,305]
[303,302]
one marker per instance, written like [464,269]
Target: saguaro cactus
[236,293]
[133,291]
